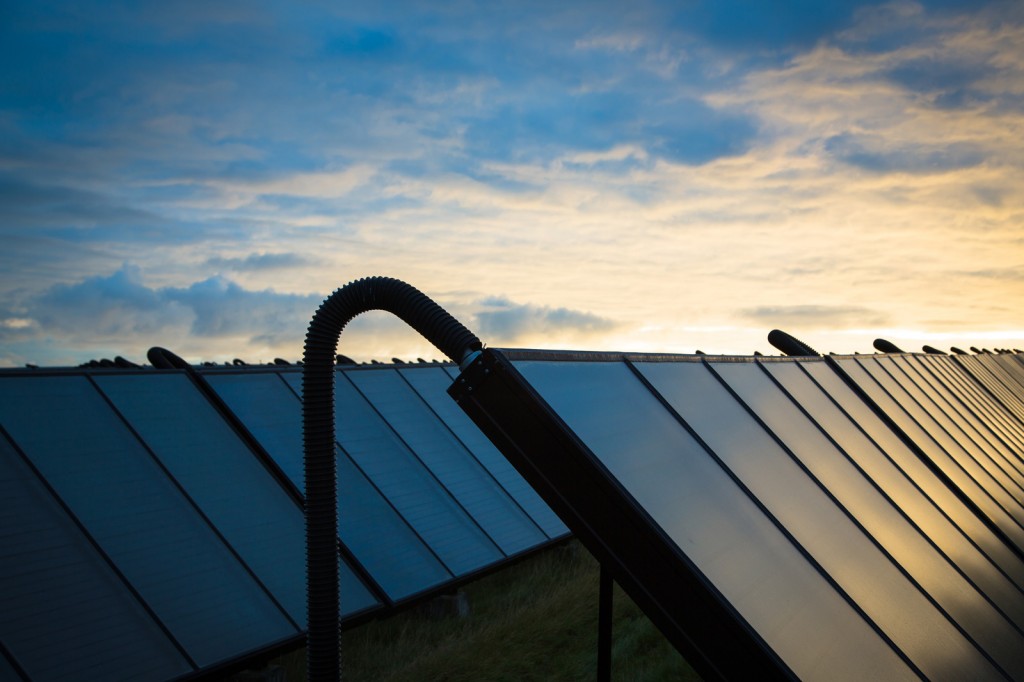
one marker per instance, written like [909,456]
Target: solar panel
[386,460]
[975,401]
[378,536]
[996,380]
[949,431]
[157,529]
[231,487]
[967,428]
[807,534]
[920,429]
[927,504]
[431,383]
[454,467]
[141,519]
[930,571]
[66,611]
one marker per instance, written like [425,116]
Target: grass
[536,620]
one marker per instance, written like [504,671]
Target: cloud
[502,321]
[26,204]
[258,262]
[885,156]
[815,316]
[752,27]
[121,309]
[638,154]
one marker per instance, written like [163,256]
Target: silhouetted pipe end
[790,345]
[161,358]
[958,351]
[883,346]
[932,350]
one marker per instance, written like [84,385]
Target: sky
[641,176]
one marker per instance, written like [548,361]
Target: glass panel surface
[911,550]
[950,467]
[140,519]
[272,414]
[973,365]
[454,467]
[977,433]
[429,509]
[802,507]
[981,404]
[1007,376]
[66,615]
[713,522]
[966,552]
[378,537]
[914,468]
[235,491]
[7,671]
[947,432]
[432,383]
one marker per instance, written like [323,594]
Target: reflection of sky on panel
[568,176]
[712,521]
[829,536]
[455,468]
[976,464]
[443,523]
[94,459]
[375,533]
[979,401]
[879,518]
[950,433]
[977,434]
[127,642]
[915,469]
[431,385]
[452,535]
[962,477]
[983,375]
[232,488]
[965,551]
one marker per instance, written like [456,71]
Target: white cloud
[875,175]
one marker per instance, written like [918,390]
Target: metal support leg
[604,627]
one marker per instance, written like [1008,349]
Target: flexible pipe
[789,344]
[437,326]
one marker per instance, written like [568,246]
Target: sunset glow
[646,178]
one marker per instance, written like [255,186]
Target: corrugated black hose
[438,327]
[790,345]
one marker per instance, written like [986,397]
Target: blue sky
[626,176]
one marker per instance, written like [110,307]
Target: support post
[604,626]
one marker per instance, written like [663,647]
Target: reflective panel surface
[472,486]
[64,609]
[431,384]
[715,522]
[140,518]
[369,526]
[833,537]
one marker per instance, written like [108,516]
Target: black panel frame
[689,611]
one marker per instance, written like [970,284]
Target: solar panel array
[856,517]
[152,522]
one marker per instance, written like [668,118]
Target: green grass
[536,620]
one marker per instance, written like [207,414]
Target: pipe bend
[318,432]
